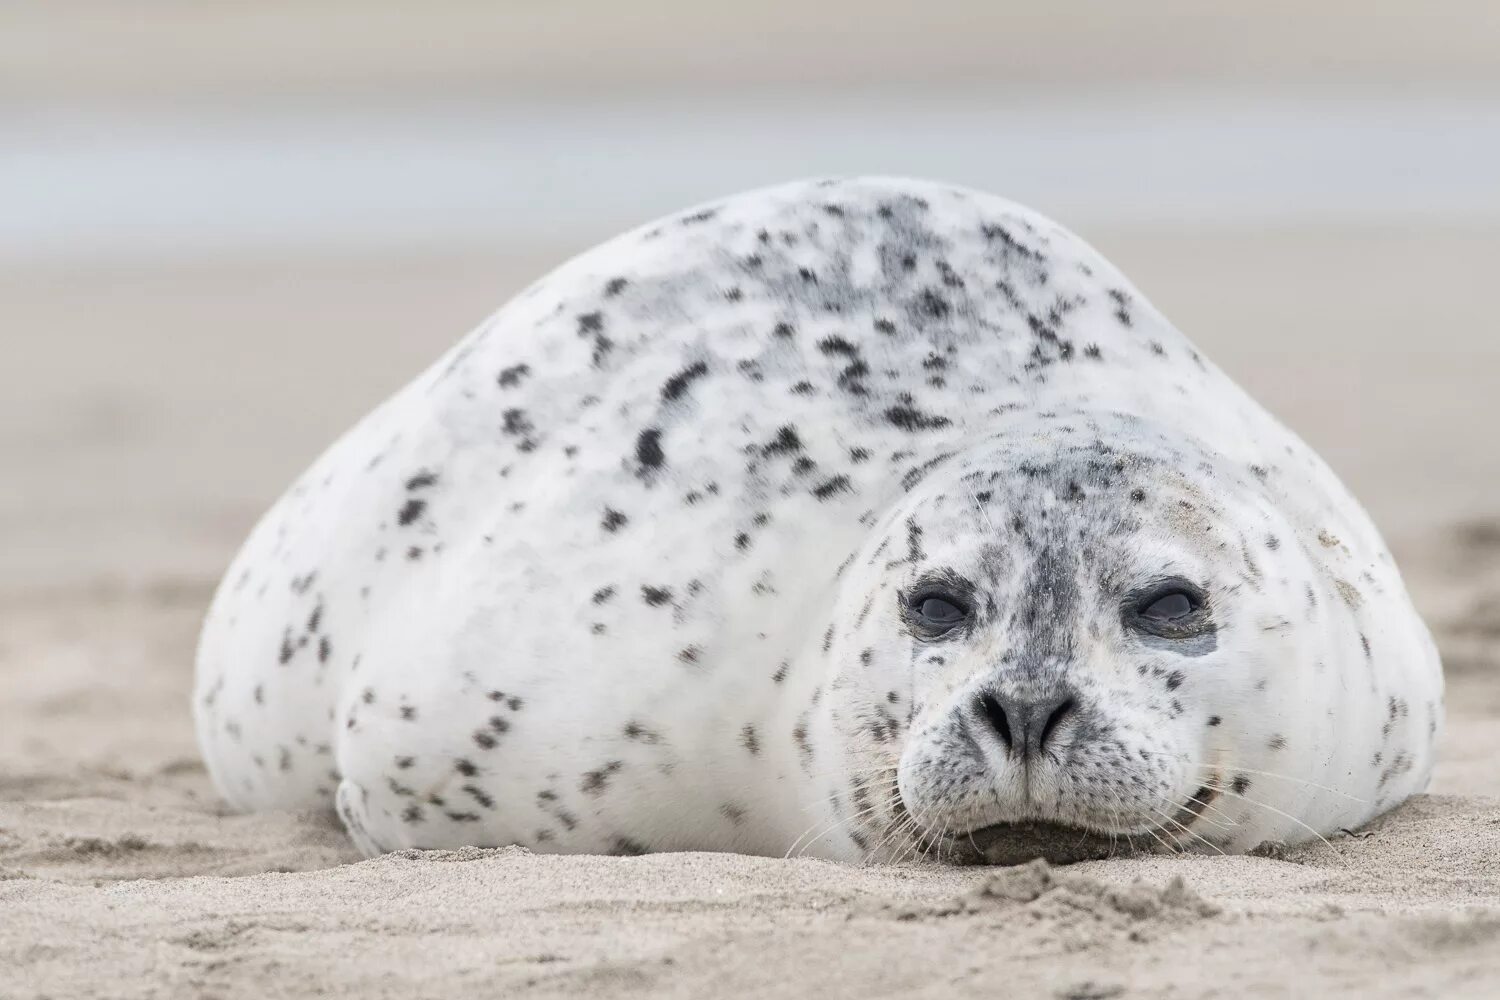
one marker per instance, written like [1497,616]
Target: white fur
[454,679]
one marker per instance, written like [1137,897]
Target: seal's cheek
[1190,646]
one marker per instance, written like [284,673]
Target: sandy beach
[151,408]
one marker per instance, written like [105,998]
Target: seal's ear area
[1172,608]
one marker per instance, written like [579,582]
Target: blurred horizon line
[80,186]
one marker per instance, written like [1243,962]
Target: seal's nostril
[991,709]
[1058,714]
[1025,726]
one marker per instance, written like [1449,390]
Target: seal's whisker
[1177,823]
[1230,766]
[1116,824]
[898,832]
[936,842]
[812,841]
[825,832]
[873,787]
[908,842]
[1224,819]
[1224,823]
[1119,811]
[918,850]
[907,836]
[979,506]
[1171,847]
[889,829]
[804,833]
[1271,808]
[816,776]
[1129,837]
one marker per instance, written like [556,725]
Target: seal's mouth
[1060,844]
[1018,843]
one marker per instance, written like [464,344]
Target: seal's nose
[1025,725]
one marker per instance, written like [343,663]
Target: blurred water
[129,185]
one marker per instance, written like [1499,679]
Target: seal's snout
[1027,726]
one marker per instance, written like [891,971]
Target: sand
[121,874]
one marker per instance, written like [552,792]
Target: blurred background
[227,229]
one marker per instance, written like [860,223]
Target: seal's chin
[1018,843]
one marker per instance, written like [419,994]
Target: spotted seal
[855,517]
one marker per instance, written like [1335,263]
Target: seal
[861,518]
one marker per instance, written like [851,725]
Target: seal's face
[1076,632]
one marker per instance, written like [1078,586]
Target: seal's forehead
[1050,473]
[1099,507]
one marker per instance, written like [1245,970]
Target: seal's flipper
[351,802]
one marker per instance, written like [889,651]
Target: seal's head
[1085,636]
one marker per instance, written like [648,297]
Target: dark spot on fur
[909,418]
[635,731]
[838,345]
[804,745]
[648,450]
[785,442]
[838,484]
[594,782]
[678,384]
[511,377]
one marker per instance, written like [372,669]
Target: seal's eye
[936,612]
[1170,607]
[940,611]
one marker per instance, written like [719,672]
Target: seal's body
[852,516]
